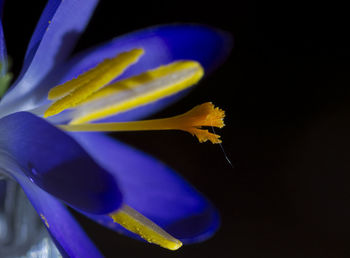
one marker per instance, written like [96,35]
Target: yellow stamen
[138,90]
[192,121]
[77,90]
[140,225]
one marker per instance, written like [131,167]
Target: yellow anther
[77,90]
[192,121]
[140,225]
[138,90]
[67,87]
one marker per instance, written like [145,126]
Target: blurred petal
[2,192]
[162,45]
[56,163]
[57,31]
[3,54]
[153,189]
[67,234]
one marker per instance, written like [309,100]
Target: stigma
[192,122]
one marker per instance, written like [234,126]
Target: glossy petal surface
[162,45]
[56,163]
[55,35]
[153,189]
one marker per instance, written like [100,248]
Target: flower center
[92,96]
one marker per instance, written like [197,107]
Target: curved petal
[55,35]
[56,163]
[153,189]
[63,228]
[162,45]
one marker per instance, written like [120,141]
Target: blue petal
[153,189]
[68,236]
[3,54]
[55,162]
[163,44]
[53,40]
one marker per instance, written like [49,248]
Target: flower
[102,178]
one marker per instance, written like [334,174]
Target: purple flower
[92,173]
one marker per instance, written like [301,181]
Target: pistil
[192,121]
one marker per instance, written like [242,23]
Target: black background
[285,89]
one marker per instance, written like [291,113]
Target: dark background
[285,89]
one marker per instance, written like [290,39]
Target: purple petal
[163,44]
[53,40]
[56,163]
[153,189]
